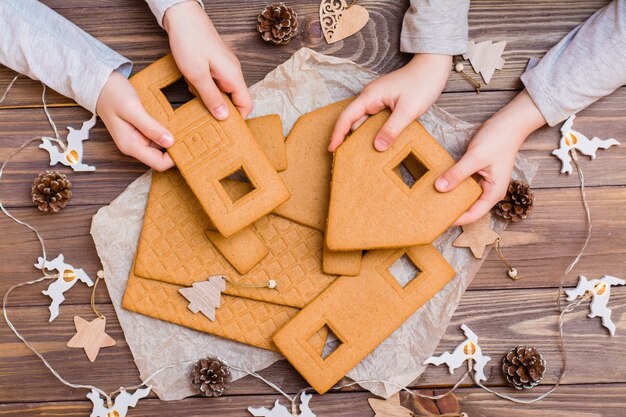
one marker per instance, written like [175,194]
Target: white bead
[459,67]
[271,284]
[100,274]
[512,273]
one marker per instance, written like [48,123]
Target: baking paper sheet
[305,82]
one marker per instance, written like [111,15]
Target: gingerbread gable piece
[372,207]
[207,151]
[361,312]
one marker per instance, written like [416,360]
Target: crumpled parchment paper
[305,82]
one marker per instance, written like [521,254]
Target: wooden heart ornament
[338,20]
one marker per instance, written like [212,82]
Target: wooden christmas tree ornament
[340,21]
[90,335]
[600,290]
[67,277]
[572,140]
[477,236]
[120,405]
[468,350]
[280,410]
[72,156]
[485,57]
[205,296]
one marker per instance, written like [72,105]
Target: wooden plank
[500,318]
[589,400]
[115,171]
[530,28]
[546,243]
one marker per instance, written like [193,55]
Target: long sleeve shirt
[40,43]
[587,64]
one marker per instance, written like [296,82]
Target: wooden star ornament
[389,408]
[90,335]
[477,236]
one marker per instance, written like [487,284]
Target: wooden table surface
[503,313]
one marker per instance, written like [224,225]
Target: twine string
[93,297]
[512,271]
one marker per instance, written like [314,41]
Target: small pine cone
[277,23]
[523,367]
[51,191]
[518,202]
[211,376]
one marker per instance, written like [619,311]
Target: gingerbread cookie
[240,319]
[174,247]
[341,263]
[308,174]
[388,199]
[360,312]
[268,131]
[207,151]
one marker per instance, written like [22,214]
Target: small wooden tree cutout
[339,21]
[73,155]
[477,236]
[485,57]
[466,350]
[90,335]
[280,410]
[121,404]
[601,291]
[67,277]
[571,139]
[205,296]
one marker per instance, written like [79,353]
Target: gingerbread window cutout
[404,270]
[177,93]
[331,342]
[407,170]
[243,185]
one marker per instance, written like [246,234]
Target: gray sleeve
[43,45]
[435,26]
[159,7]
[589,63]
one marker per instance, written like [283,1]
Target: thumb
[392,128]
[460,171]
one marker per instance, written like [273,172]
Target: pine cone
[523,367]
[277,23]
[518,202]
[211,376]
[51,191]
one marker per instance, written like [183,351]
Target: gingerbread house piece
[309,167]
[360,312]
[207,151]
[388,199]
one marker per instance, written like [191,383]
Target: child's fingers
[450,179]
[353,112]
[239,93]
[211,96]
[132,142]
[393,127]
[490,196]
[154,158]
[148,126]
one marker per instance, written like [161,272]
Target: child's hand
[408,92]
[205,61]
[134,131]
[491,154]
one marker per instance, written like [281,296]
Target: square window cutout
[331,341]
[177,93]
[410,170]
[404,270]
[237,184]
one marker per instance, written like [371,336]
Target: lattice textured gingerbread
[207,150]
[240,319]
[174,248]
